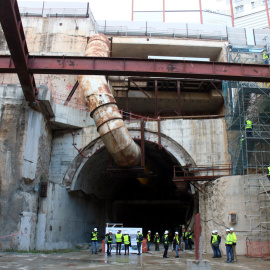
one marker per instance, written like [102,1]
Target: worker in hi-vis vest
[249,128]
[268,172]
[127,242]
[94,238]
[109,242]
[234,240]
[139,240]
[166,244]
[156,241]
[265,57]
[148,238]
[228,244]
[119,240]
[176,242]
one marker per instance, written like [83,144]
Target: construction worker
[265,57]
[94,238]
[214,243]
[156,241]
[242,140]
[119,240]
[139,239]
[126,242]
[109,242]
[176,243]
[166,244]
[249,128]
[234,240]
[268,172]
[185,238]
[228,244]
[219,241]
[189,239]
[148,237]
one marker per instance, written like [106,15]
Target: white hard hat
[227,230]
[166,232]
[176,232]
[189,228]
[95,229]
[156,232]
[231,229]
[213,231]
[149,231]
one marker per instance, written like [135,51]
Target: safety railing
[202,172]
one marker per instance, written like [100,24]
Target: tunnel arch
[89,176]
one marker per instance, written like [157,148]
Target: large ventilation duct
[104,111]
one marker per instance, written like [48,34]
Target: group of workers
[124,238]
[230,243]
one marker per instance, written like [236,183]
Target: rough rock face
[19,194]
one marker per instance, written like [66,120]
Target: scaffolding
[250,152]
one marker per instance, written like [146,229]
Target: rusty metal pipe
[104,110]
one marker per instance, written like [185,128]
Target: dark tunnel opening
[151,201]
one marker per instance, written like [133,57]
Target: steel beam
[13,30]
[141,67]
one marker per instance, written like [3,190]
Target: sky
[121,9]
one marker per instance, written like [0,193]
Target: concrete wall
[224,196]
[25,156]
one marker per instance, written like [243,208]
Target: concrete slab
[85,260]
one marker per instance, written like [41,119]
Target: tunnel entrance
[153,202]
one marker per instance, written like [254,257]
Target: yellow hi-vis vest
[148,237]
[126,239]
[214,238]
[248,124]
[118,237]
[166,239]
[176,240]
[94,237]
[229,240]
[265,56]
[234,239]
[268,172]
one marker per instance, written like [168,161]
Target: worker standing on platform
[156,241]
[249,128]
[148,237]
[228,244]
[126,242]
[139,239]
[176,243]
[166,244]
[119,240]
[265,57]
[94,238]
[109,242]
[268,172]
[234,240]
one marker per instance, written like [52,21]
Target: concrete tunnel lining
[105,189]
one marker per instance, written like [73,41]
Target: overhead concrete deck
[143,47]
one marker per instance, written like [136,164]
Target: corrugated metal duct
[104,111]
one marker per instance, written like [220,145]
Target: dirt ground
[152,260]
